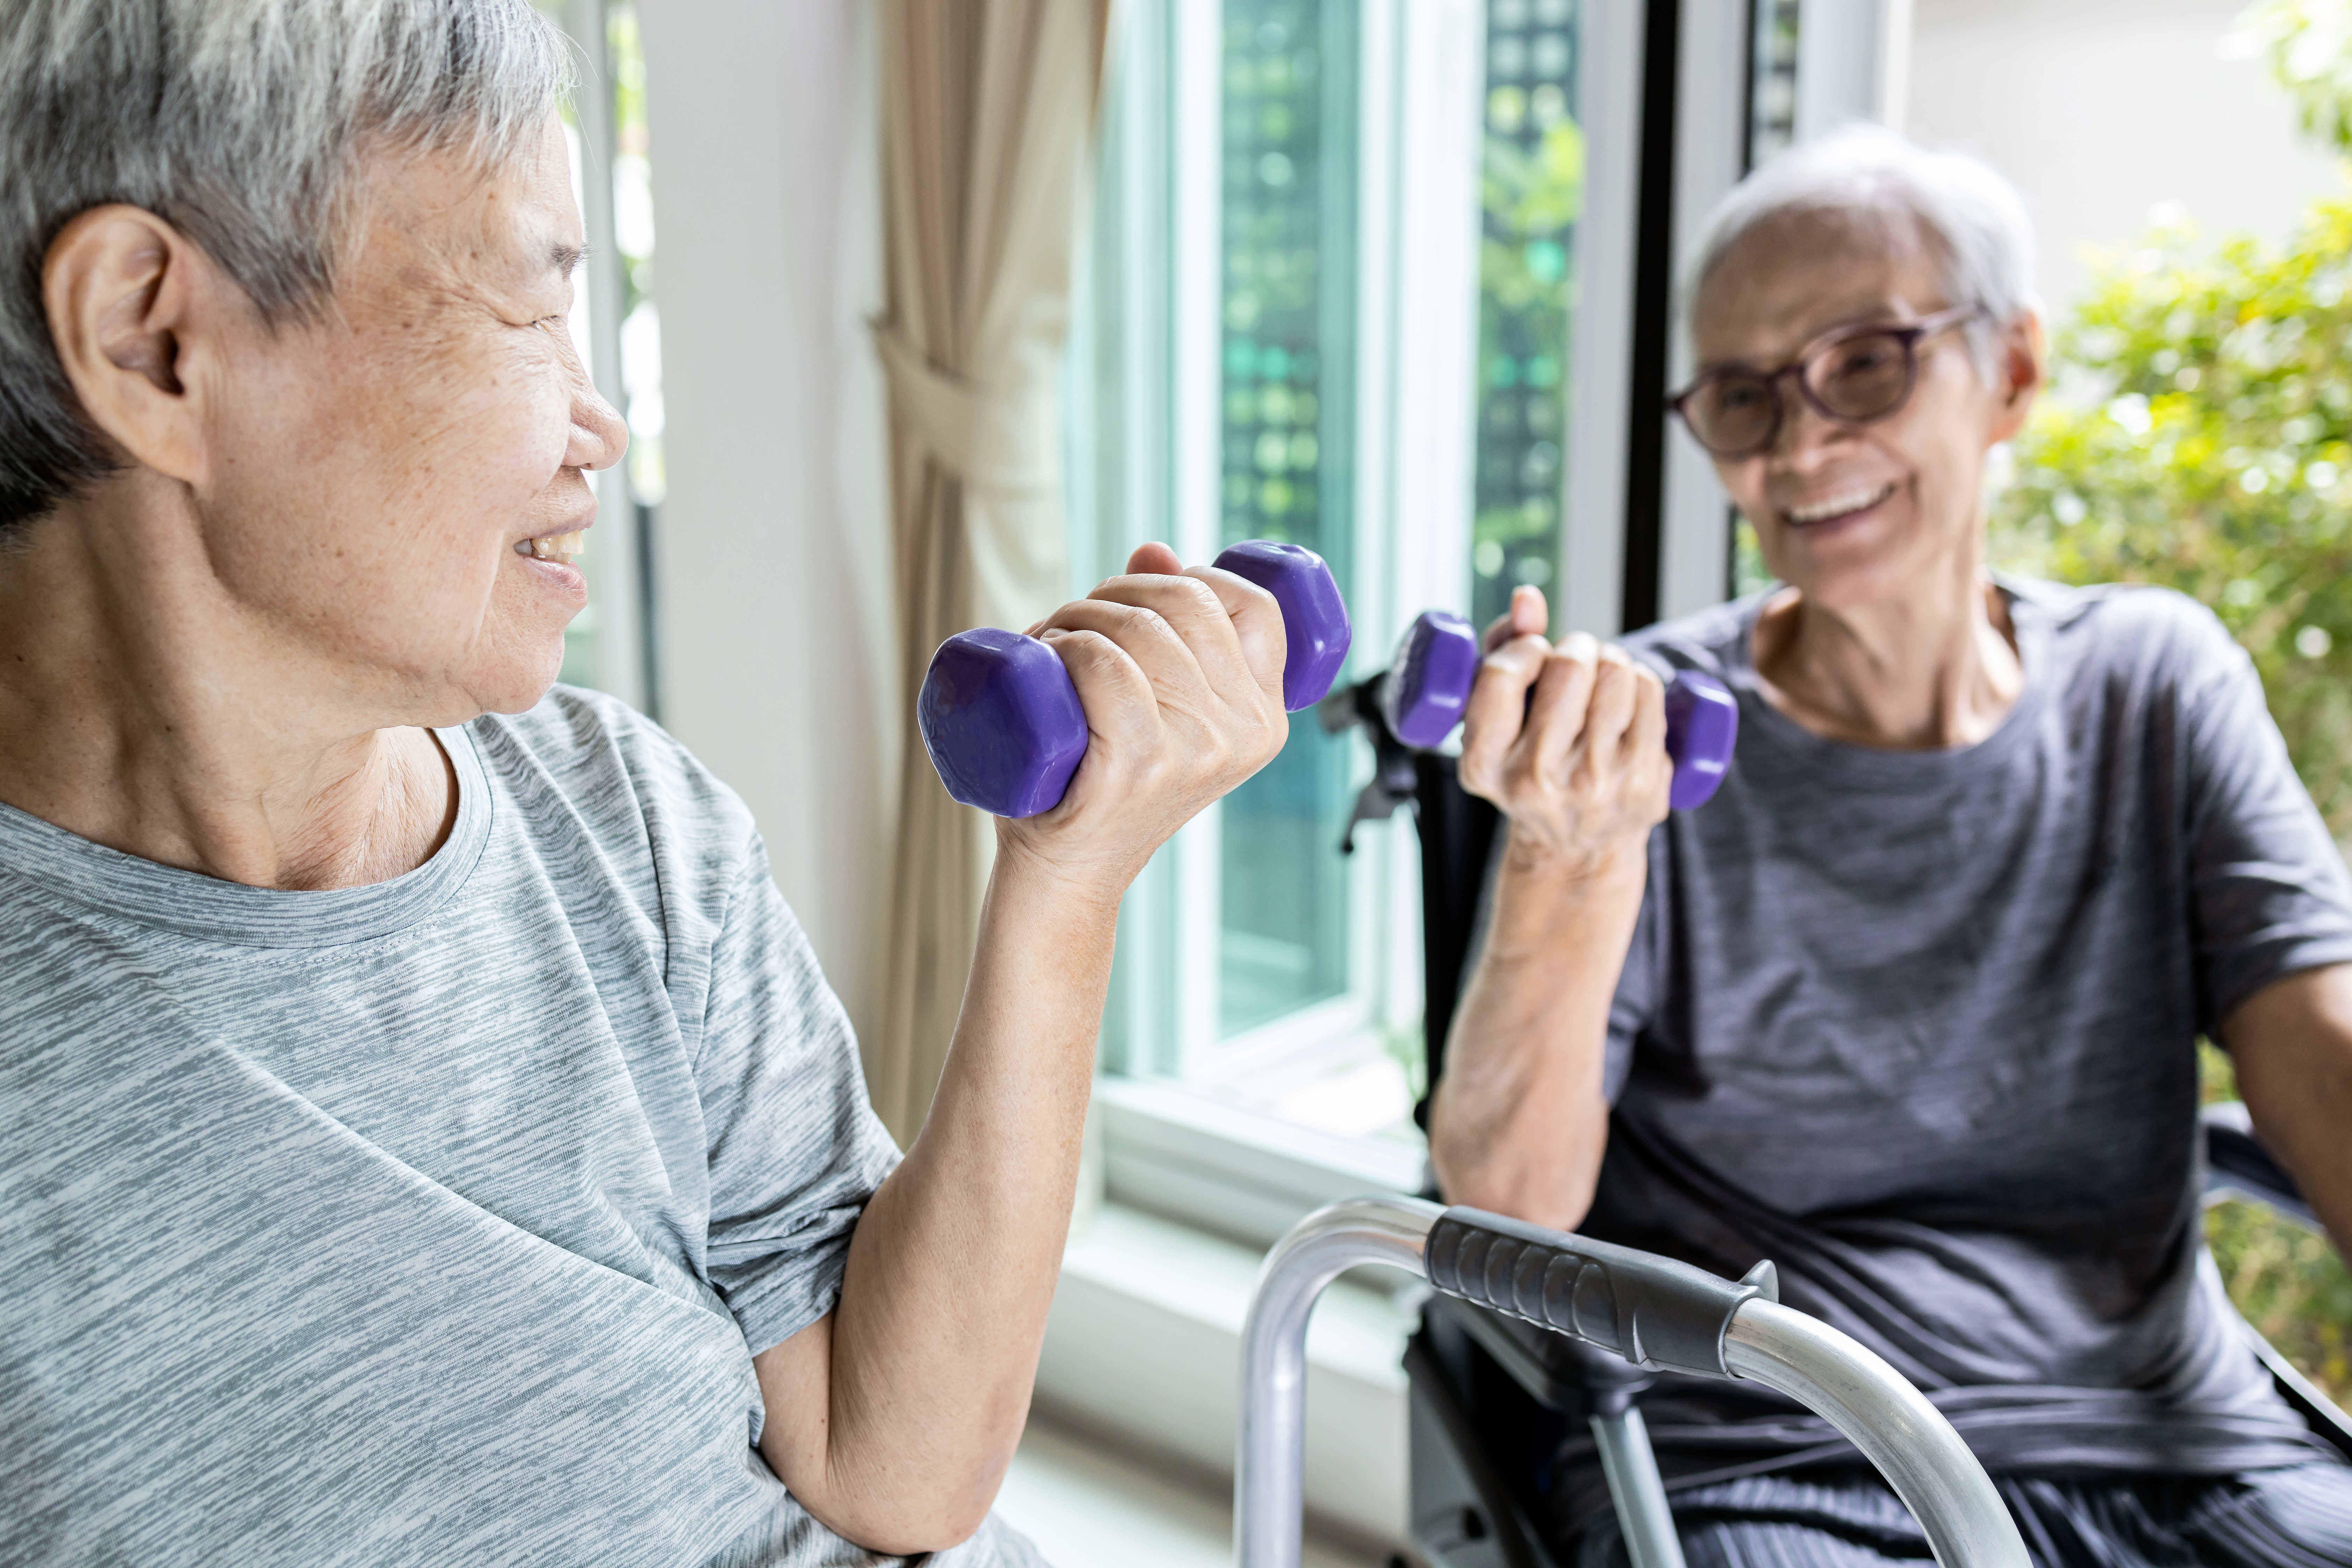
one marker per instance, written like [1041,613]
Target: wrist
[1573,873]
[1544,897]
[1084,894]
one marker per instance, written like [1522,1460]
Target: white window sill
[1197,1157]
[1143,1349]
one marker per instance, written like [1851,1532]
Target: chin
[511,682]
[1848,585]
[520,692]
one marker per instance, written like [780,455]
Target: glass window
[1327,297]
[1531,194]
[1771,127]
[1216,394]
[611,643]
[1772,95]
[1287,413]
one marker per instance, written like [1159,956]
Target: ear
[126,295]
[2020,351]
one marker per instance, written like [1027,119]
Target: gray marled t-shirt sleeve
[778,1067]
[2269,893]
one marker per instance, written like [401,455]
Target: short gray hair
[1883,184]
[243,123]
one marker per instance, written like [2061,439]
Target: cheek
[376,486]
[487,429]
[1744,483]
[1937,441]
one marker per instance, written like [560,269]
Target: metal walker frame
[1653,1311]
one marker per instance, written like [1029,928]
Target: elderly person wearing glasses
[1911,1007]
[424,1135]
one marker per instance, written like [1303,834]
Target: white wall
[2101,108]
[773,563]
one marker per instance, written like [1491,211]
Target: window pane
[1531,194]
[1288,305]
[1772,97]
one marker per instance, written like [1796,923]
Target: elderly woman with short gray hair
[425,1137]
[1911,1006]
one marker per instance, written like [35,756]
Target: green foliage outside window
[2198,435]
[1531,194]
[2308,44]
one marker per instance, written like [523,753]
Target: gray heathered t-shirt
[431,1222]
[1919,1026]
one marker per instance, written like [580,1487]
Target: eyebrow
[563,256]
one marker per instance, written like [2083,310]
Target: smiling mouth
[561,548]
[1832,508]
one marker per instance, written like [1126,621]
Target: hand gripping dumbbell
[1429,681]
[1001,720]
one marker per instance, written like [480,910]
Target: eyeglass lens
[1861,377]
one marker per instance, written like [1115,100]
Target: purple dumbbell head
[1315,628]
[1429,680]
[1002,722]
[1702,726]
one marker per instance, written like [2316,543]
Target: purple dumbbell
[1001,720]
[1428,686]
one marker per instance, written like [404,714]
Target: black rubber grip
[1654,1311]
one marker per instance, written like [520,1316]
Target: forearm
[2292,1045]
[1520,1120]
[935,1341]
[2316,1152]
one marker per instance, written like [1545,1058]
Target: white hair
[244,124]
[1891,192]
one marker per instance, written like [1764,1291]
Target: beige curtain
[987,114]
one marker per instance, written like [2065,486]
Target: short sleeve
[795,1146]
[2268,889]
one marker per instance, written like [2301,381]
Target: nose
[1806,434]
[599,435]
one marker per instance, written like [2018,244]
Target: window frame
[1163,1144]
[619,614]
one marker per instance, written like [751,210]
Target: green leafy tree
[2199,435]
[2308,44]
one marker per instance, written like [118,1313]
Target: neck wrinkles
[144,710]
[1921,672]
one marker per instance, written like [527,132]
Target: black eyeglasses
[1856,374]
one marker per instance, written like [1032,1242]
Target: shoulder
[586,763]
[1712,641]
[2129,633]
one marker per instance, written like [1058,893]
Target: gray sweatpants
[2295,1518]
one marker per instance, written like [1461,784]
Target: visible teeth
[557,547]
[1839,505]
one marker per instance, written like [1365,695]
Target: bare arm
[2292,1045]
[1569,742]
[893,1420]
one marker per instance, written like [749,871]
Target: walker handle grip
[1654,1311]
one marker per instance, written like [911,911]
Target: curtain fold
[988,118]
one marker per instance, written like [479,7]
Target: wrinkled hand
[1180,672]
[1568,741]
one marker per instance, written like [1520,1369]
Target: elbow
[1557,1201]
[913,1521]
[1544,1175]
[931,1525]
[956,1518]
